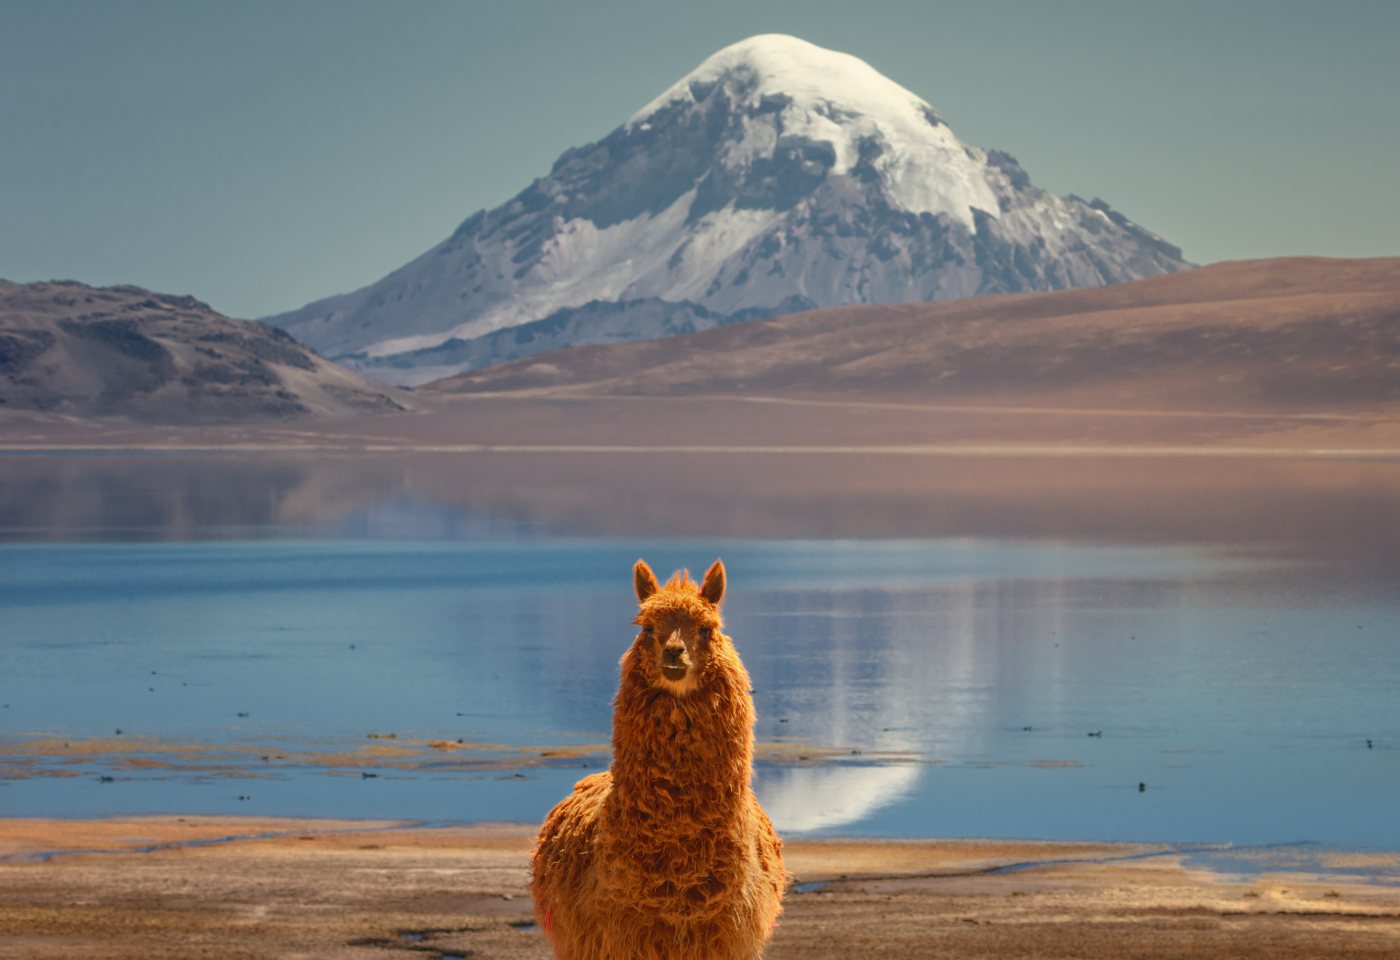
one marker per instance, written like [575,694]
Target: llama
[668,854]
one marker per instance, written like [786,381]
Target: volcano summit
[775,177]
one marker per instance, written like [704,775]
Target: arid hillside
[74,350]
[1279,335]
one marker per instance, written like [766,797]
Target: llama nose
[673,649]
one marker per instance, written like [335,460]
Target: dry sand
[157,888]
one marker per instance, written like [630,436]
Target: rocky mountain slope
[71,349]
[775,177]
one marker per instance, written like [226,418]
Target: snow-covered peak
[779,64]
[838,99]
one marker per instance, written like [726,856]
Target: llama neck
[684,759]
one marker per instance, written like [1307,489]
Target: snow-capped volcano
[776,176]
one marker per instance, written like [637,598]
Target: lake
[263,655]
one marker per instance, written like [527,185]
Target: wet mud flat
[246,887]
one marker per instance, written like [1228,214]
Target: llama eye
[706,633]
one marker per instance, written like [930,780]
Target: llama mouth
[673,671]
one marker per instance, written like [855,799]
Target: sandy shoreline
[242,887]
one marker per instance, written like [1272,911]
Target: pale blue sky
[259,155]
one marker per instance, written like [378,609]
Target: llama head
[681,642]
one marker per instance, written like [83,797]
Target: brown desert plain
[1255,402]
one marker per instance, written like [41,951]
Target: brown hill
[71,349]
[1272,335]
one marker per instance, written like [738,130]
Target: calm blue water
[939,687]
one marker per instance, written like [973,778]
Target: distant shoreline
[925,450]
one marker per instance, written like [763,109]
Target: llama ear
[712,589]
[644,580]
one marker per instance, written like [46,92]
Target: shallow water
[921,687]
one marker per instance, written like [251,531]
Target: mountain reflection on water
[1341,510]
[1154,651]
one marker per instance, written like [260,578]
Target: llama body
[668,854]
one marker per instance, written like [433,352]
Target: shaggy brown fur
[667,855]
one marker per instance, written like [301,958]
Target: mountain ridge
[1277,333]
[73,350]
